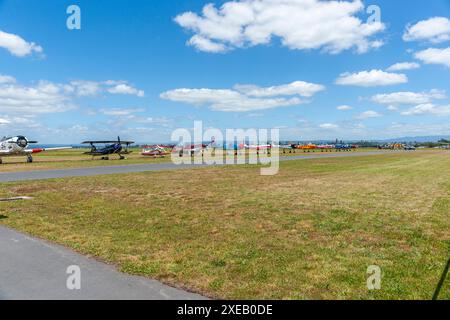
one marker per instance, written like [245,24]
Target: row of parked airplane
[397,146]
[321,147]
[19,146]
[194,149]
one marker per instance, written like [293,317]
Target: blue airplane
[111,147]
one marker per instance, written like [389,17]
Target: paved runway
[34,269]
[105,170]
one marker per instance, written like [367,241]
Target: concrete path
[34,269]
[106,170]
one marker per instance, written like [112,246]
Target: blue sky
[315,69]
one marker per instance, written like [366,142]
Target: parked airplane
[17,146]
[391,146]
[193,149]
[233,148]
[258,147]
[111,147]
[344,147]
[307,147]
[326,147]
[287,147]
[156,151]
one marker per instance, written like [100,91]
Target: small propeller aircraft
[287,147]
[194,149]
[326,147]
[344,147]
[258,147]
[17,146]
[111,147]
[156,151]
[307,147]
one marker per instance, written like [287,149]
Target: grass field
[75,158]
[309,232]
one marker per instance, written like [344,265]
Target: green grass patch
[309,232]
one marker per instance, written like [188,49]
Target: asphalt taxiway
[33,269]
[120,169]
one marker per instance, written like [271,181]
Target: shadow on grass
[3,217]
[441,281]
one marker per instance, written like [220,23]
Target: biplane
[109,148]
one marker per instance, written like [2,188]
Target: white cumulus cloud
[124,88]
[373,78]
[84,88]
[408,98]
[45,97]
[243,98]
[328,126]
[435,30]
[404,66]
[434,56]
[119,112]
[333,26]
[344,108]
[4,121]
[17,46]
[301,88]
[428,109]
[6,79]
[368,115]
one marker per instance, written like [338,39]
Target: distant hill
[418,139]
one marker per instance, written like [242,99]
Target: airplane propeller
[23,142]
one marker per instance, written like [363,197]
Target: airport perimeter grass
[74,158]
[309,232]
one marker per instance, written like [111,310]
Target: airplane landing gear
[29,158]
[121,157]
[105,158]
[1,160]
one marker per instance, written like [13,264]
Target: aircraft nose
[22,142]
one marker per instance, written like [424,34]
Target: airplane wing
[95,142]
[103,142]
[38,150]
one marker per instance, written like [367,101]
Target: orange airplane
[307,147]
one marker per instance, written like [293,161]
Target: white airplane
[17,146]
[258,147]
